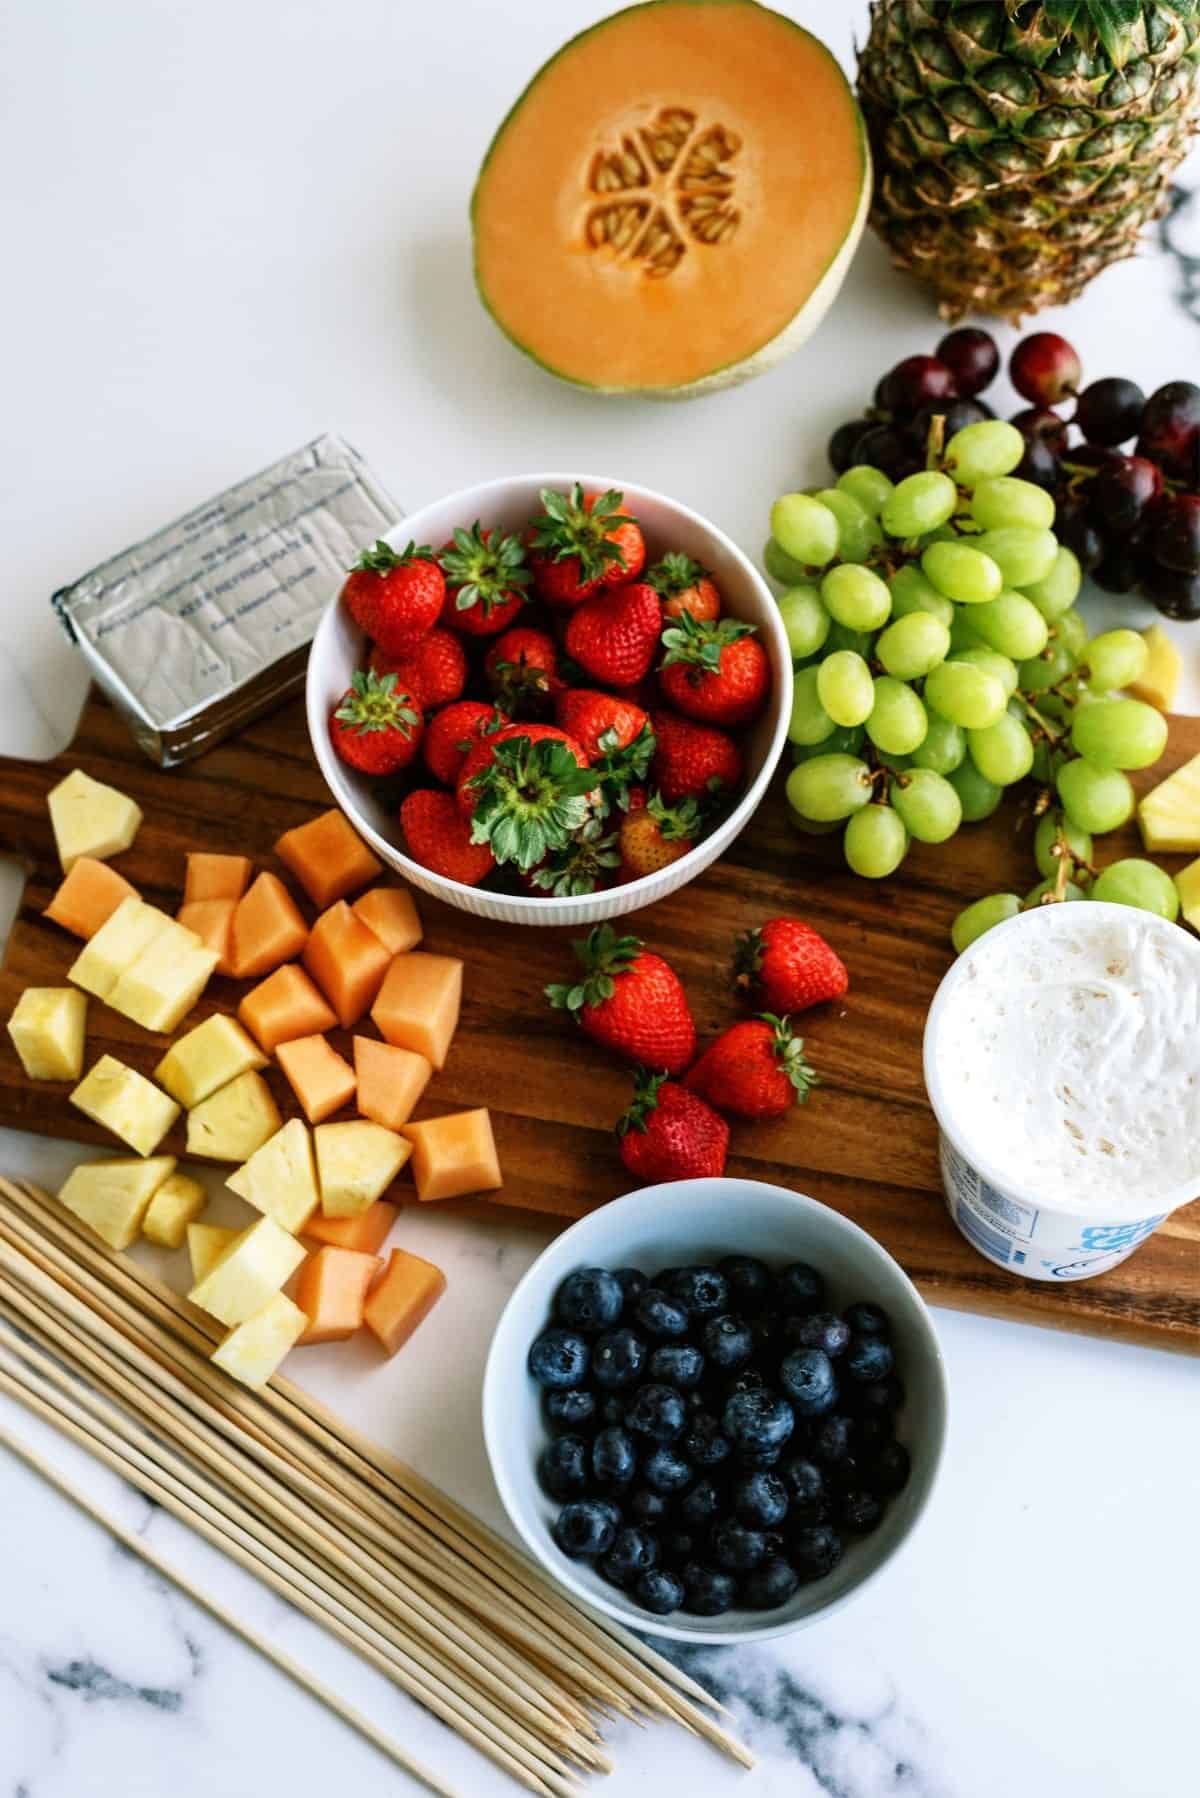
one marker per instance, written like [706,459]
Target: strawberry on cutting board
[614,637]
[583,542]
[375,726]
[716,673]
[692,760]
[786,966]
[629,1000]
[395,596]
[440,838]
[755,1069]
[669,1133]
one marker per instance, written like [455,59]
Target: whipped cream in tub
[1062,1061]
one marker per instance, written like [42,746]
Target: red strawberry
[683,586]
[451,732]
[435,673]
[581,543]
[692,761]
[395,598]
[482,754]
[486,576]
[718,673]
[375,726]
[589,716]
[441,841]
[755,1069]
[653,835]
[614,636]
[669,1133]
[788,966]
[527,791]
[522,670]
[630,1000]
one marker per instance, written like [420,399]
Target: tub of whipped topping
[1062,1061]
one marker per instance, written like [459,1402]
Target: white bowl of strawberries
[550,699]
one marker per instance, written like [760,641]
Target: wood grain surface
[865,1143]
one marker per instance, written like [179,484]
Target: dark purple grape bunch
[892,436]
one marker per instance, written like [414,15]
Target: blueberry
[634,1552]
[859,1510]
[657,1412]
[664,1276]
[589,1299]
[706,1591]
[632,1282]
[866,1319]
[612,1411]
[728,1341]
[760,1500]
[798,1288]
[678,1546]
[677,1364]
[869,1358]
[660,1317]
[749,1380]
[558,1359]
[586,1527]
[648,1507]
[614,1457]
[659,1591]
[758,1459]
[705,1442]
[665,1470]
[702,1505]
[617,1358]
[823,1330]
[871,1431]
[749,1280]
[735,1548]
[816,1551]
[769,1585]
[563,1467]
[874,1397]
[805,1485]
[573,1409]
[759,1420]
[701,1291]
[833,1440]
[807,1377]
[773,1542]
[888,1471]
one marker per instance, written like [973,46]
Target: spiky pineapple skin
[1014,162]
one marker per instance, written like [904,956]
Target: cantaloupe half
[674,200]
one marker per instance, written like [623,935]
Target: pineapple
[47,1029]
[253,1350]
[172,1209]
[280,1179]
[208,1057]
[206,1244]
[1021,145]
[1158,682]
[234,1121]
[113,1197]
[126,1103]
[248,1274]
[356,1162]
[88,818]
[1169,815]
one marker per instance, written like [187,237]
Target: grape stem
[935,441]
[1052,735]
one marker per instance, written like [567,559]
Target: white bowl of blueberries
[715,1409]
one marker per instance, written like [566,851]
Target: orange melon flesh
[284,1006]
[672,202]
[212,921]
[267,928]
[88,897]
[320,1078]
[215,877]
[367,1231]
[390,1081]
[331,1290]
[418,1004]
[402,1297]
[327,857]
[347,961]
[454,1155]
[391,913]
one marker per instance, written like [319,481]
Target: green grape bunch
[940,659]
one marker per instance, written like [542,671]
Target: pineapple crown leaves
[530,800]
[1118,27]
[602,955]
[701,644]
[485,568]
[789,1054]
[644,1101]
[675,573]
[383,558]
[582,865]
[567,527]
[372,703]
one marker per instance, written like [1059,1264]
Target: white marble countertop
[237,226]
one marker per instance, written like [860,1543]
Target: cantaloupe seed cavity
[670,185]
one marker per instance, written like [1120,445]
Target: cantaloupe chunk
[321,1079]
[252,1351]
[206,1244]
[331,1290]
[88,897]
[280,1179]
[234,1121]
[267,929]
[328,858]
[163,983]
[250,1272]
[390,1081]
[116,946]
[126,1103]
[356,1163]
[454,1155]
[177,1202]
[209,1056]
[366,1232]
[391,914]
[419,1002]
[212,921]
[284,1006]
[215,877]
[112,1197]
[402,1297]
[47,1029]
[89,818]
[347,961]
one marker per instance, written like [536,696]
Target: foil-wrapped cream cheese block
[207,624]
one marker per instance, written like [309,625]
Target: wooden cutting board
[865,1143]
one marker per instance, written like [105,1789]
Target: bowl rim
[648,886]
[680,1196]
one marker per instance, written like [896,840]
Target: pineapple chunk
[1169,815]
[116,946]
[252,1351]
[163,984]
[356,1163]
[112,1197]
[250,1272]
[234,1121]
[177,1201]
[89,818]
[280,1179]
[47,1031]
[206,1244]
[1187,885]
[209,1056]
[126,1103]
[1159,680]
